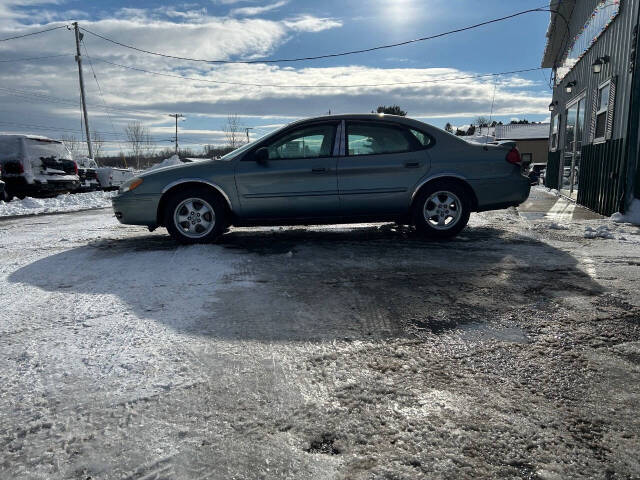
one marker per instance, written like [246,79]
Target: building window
[527,158]
[602,111]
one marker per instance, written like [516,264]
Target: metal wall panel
[614,42]
[602,172]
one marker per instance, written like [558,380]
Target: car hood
[185,168]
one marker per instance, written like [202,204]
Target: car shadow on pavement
[319,283]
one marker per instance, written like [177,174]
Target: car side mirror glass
[261,155]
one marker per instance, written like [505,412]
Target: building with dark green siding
[594,138]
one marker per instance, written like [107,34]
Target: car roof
[361,116]
[12,136]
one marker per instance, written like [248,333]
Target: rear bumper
[496,194]
[19,186]
[132,209]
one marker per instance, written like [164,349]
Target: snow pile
[632,215]
[169,162]
[61,203]
[601,232]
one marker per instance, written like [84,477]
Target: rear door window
[377,139]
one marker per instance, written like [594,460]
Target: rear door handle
[412,164]
[318,170]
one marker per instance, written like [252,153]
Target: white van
[36,166]
[111,178]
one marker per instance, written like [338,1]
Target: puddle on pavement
[483,332]
[472,331]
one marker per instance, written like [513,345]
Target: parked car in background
[87,172]
[534,172]
[112,178]
[333,169]
[36,166]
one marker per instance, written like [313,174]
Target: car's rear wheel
[441,210]
[195,216]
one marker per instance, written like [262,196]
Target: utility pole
[247,130]
[176,116]
[84,101]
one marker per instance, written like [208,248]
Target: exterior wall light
[600,61]
[552,106]
[569,87]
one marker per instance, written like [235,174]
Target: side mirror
[261,155]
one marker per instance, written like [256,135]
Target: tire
[441,210]
[195,216]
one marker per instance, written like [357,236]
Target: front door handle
[412,164]
[318,170]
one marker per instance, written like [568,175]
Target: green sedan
[332,169]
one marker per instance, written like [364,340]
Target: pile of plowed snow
[168,162]
[61,203]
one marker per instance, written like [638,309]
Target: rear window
[10,149]
[35,149]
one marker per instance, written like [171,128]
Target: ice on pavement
[61,203]
[631,216]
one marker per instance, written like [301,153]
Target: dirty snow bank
[61,203]
[169,162]
[632,215]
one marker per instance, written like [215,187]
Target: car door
[383,161]
[299,179]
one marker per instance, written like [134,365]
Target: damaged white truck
[36,166]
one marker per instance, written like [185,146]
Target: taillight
[75,165]
[514,157]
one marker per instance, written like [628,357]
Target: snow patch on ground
[602,231]
[631,216]
[62,203]
[169,162]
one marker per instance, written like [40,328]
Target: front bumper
[136,209]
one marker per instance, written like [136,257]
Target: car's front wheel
[441,210]
[195,216]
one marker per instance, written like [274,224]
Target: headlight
[130,185]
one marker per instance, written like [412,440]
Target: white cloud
[308,23]
[252,11]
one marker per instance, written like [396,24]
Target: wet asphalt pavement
[338,352]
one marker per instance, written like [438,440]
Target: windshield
[244,148]
[35,149]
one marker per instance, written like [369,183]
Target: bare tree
[74,145]
[98,144]
[233,132]
[139,139]
[482,121]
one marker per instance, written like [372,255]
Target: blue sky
[268,29]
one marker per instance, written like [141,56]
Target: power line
[36,58]
[99,88]
[221,82]
[32,33]
[318,57]
[27,95]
